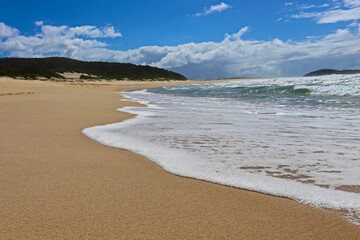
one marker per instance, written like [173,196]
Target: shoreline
[345,212]
[56,182]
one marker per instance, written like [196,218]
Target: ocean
[297,138]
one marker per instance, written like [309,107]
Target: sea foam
[258,135]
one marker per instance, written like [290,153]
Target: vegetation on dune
[31,68]
[87,77]
[28,73]
[322,72]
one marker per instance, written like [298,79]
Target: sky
[199,39]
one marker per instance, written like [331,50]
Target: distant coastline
[323,72]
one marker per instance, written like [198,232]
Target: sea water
[291,137]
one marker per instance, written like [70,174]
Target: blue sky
[200,39]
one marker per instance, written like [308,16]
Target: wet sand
[55,183]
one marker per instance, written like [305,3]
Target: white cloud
[84,31]
[353,24]
[39,23]
[308,6]
[233,56]
[53,40]
[237,57]
[214,8]
[340,35]
[237,36]
[339,15]
[305,6]
[289,3]
[306,15]
[110,32]
[6,31]
[348,11]
[352,3]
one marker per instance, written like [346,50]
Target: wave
[289,137]
[302,153]
[333,85]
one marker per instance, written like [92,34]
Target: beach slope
[56,183]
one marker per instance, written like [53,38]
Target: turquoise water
[335,90]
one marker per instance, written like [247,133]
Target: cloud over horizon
[230,57]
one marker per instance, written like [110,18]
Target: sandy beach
[56,183]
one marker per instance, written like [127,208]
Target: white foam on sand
[259,147]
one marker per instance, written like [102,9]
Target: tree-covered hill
[322,72]
[31,68]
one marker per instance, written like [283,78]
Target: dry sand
[55,183]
